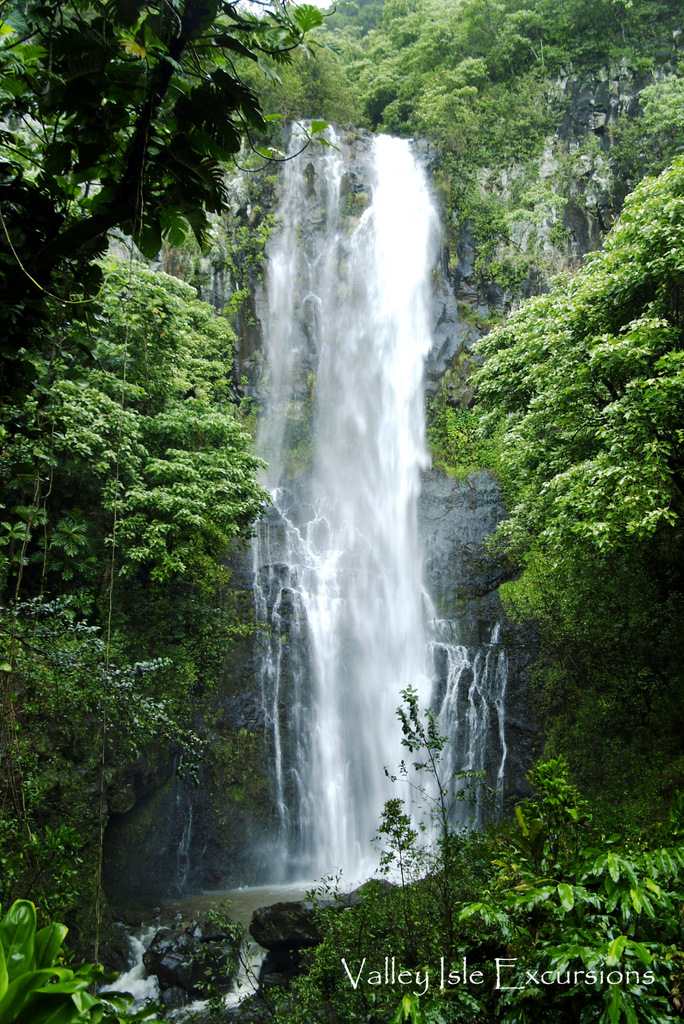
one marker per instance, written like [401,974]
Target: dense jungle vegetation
[128,470]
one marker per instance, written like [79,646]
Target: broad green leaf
[640,950]
[566,896]
[409,1010]
[521,819]
[52,1009]
[628,869]
[629,1008]
[654,887]
[328,145]
[17,934]
[613,866]
[468,911]
[647,904]
[614,1004]
[84,1001]
[19,991]
[307,17]
[4,981]
[132,48]
[47,944]
[615,950]
[121,1001]
[637,901]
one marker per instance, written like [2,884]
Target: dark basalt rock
[286,930]
[173,998]
[115,948]
[279,967]
[455,517]
[286,926]
[452,337]
[289,930]
[185,957]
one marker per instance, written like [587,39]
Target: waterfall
[338,565]
[338,568]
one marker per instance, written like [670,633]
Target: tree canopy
[126,468]
[119,115]
[588,384]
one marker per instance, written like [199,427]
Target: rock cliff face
[560,207]
[456,517]
[165,835]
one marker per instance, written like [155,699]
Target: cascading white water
[469,702]
[338,565]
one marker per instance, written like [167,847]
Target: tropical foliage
[37,986]
[584,389]
[488,82]
[126,478]
[127,474]
[116,116]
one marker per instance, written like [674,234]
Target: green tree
[150,429]
[126,479]
[554,922]
[649,143]
[116,115]
[592,914]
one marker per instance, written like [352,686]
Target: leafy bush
[545,920]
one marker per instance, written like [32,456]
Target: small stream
[240,905]
[142,986]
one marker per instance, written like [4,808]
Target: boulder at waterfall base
[192,958]
[286,926]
